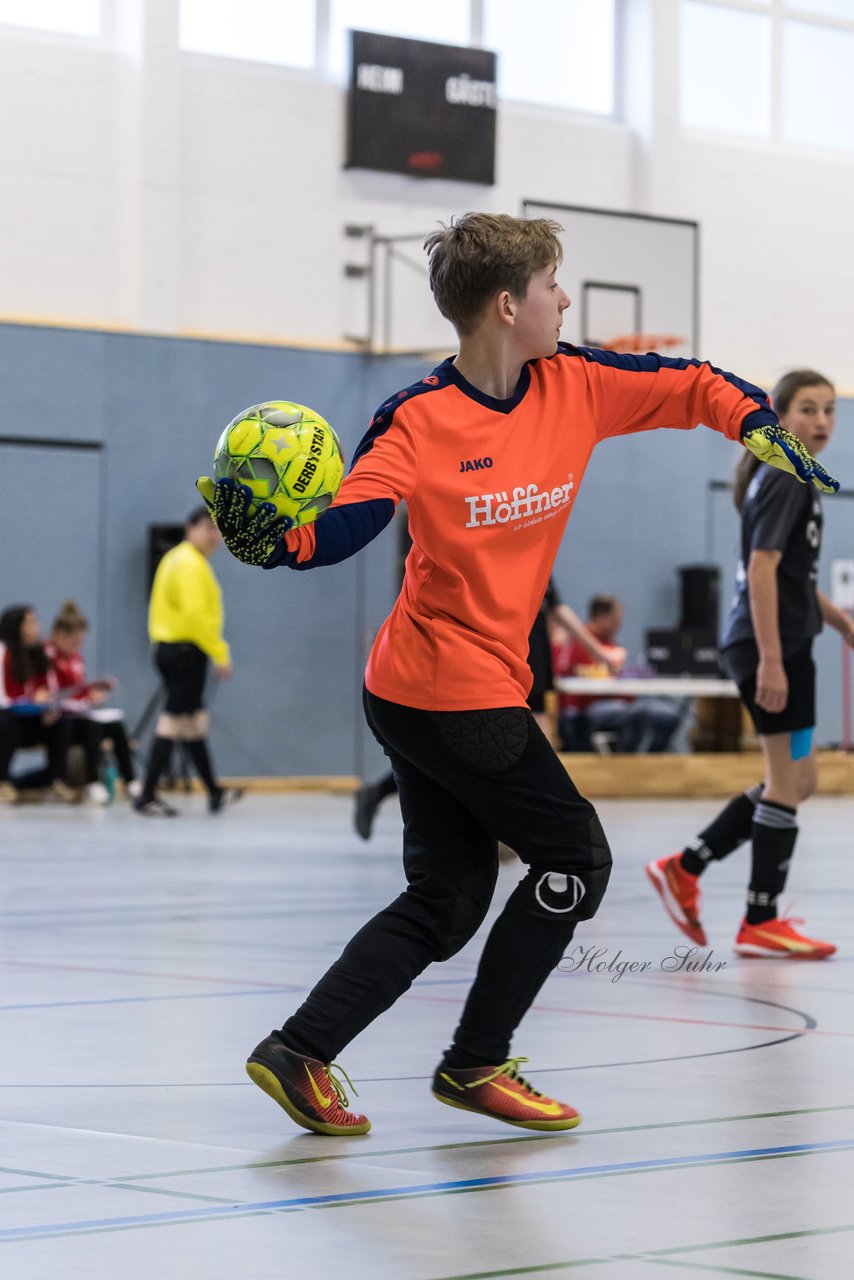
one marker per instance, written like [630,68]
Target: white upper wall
[150,189]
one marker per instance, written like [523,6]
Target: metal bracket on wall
[377,270]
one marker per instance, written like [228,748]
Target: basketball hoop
[634,342]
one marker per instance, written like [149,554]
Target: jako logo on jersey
[475,464]
[557,892]
[499,508]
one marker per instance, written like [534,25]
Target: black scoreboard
[421,108]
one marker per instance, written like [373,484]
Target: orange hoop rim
[633,342]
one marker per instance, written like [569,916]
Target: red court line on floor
[654,1017]
[149,973]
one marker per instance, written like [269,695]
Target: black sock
[198,753]
[774,836]
[725,833]
[460,1060]
[158,763]
[121,750]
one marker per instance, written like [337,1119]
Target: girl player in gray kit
[767,649]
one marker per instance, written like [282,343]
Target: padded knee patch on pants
[576,889]
[465,915]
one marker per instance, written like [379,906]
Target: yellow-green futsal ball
[284,453]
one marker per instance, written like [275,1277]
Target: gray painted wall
[153,408]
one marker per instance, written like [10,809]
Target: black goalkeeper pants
[467,780]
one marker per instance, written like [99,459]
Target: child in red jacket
[26,681]
[91,724]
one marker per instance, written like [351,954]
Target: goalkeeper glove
[256,537]
[781,449]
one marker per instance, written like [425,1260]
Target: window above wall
[557,53]
[554,53]
[68,17]
[773,70]
[254,30]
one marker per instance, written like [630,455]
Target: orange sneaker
[305,1088]
[680,893]
[500,1092]
[777,938]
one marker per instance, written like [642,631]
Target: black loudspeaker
[680,651]
[699,597]
[161,538]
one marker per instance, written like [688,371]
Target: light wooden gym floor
[143,959]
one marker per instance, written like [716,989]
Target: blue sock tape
[800,741]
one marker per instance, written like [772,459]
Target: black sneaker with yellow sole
[500,1092]
[305,1088]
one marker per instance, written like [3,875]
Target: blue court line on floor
[192,995]
[479,1145]
[8,1234]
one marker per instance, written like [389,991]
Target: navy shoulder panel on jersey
[382,419]
[652,362]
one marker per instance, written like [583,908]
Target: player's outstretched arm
[257,537]
[642,392]
[779,448]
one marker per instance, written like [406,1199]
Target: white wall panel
[178,193]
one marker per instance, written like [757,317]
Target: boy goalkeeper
[488,451]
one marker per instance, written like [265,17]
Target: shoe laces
[340,1091]
[509,1068]
[789,920]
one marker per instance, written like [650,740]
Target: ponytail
[744,473]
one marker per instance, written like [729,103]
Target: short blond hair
[478,254]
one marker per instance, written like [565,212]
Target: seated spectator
[26,683]
[554,624]
[92,724]
[637,724]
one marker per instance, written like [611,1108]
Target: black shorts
[741,662]
[540,662]
[183,668]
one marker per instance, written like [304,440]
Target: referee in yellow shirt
[185,626]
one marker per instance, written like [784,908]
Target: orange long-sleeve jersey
[489,486]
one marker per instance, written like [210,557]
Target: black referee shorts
[183,668]
[741,662]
